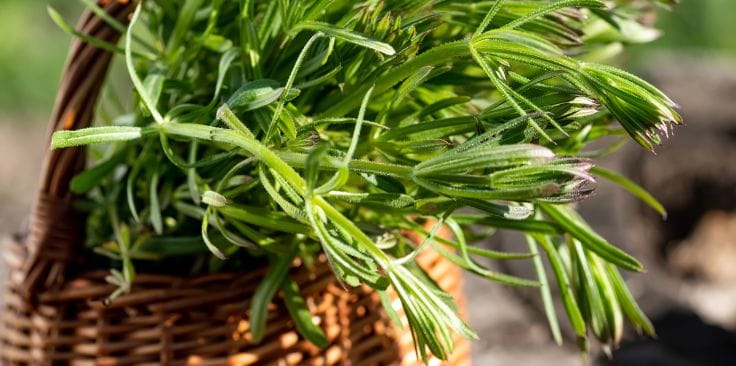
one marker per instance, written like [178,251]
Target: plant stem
[273,161]
[247,143]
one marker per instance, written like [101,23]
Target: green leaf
[311,166]
[299,312]
[544,288]
[346,35]
[350,264]
[442,104]
[118,26]
[497,5]
[217,43]
[563,282]
[341,176]
[484,157]
[528,225]
[130,65]
[100,12]
[155,217]
[611,304]
[225,114]
[632,187]
[485,273]
[192,186]
[628,303]
[557,5]
[471,249]
[214,199]
[137,167]
[206,236]
[395,200]
[68,28]
[262,217]
[288,127]
[225,61]
[571,223]
[409,85]
[265,291]
[327,77]
[512,212]
[432,129]
[388,307]
[184,21]
[153,85]
[430,317]
[590,293]
[326,122]
[95,135]
[92,177]
[432,57]
[289,207]
[257,94]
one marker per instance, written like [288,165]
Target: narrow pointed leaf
[265,292]
[347,36]
[570,222]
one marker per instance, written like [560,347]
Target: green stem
[247,143]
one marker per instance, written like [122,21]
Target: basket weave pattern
[168,320]
[54,315]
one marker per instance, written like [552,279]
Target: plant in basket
[263,139]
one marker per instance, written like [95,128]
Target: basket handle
[56,229]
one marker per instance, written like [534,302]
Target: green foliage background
[696,26]
[32,54]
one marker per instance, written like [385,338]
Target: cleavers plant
[271,130]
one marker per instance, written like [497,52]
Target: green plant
[289,128]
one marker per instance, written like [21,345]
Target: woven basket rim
[55,228]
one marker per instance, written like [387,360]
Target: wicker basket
[54,313]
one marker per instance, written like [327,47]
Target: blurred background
[690,288]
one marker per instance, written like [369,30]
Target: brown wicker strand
[55,231]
